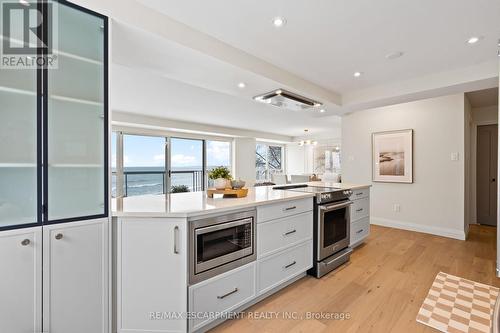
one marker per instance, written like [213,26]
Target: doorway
[486,176]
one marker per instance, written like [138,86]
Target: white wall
[295,159]
[434,203]
[244,159]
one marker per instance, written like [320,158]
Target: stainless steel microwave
[219,244]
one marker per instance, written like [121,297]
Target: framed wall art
[393,156]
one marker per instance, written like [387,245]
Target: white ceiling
[326,41]
[168,80]
[188,56]
[140,92]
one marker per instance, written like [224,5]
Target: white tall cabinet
[54,225]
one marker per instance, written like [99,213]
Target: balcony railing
[195,177]
[153,182]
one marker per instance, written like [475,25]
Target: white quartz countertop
[197,203]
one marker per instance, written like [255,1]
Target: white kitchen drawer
[360,229]
[360,209]
[222,293]
[277,235]
[360,194]
[283,209]
[281,267]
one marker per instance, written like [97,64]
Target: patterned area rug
[458,305]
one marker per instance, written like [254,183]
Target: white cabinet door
[75,277]
[151,275]
[21,280]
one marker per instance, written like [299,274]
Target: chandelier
[308,142]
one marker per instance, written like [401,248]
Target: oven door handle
[337,206]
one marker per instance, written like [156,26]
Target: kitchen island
[167,252]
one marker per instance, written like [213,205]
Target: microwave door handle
[337,206]
[222,226]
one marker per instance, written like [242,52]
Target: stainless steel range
[331,226]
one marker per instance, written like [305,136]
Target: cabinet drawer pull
[229,293]
[290,208]
[59,236]
[176,231]
[359,231]
[359,193]
[25,242]
[359,209]
[290,264]
[290,232]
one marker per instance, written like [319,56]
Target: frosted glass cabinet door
[18,146]
[76,116]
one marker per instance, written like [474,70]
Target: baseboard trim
[445,232]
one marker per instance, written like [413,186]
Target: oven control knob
[326,196]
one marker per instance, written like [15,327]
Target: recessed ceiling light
[473,40]
[279,21]
[322,110]
[24,2]
[394,55]
[241,85]
[357,74]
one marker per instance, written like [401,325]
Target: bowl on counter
[237,184]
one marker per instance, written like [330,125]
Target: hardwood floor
[381,288]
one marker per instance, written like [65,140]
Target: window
[143,164]
[268,161]
[186,165]
[140,164]
[218,154]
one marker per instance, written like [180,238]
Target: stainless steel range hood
[287,100]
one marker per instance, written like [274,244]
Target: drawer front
[360,194]
[283,209]
[360,209]
[277,269]
[221,293]
[359,230]
[277,235]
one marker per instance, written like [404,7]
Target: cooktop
[323,194]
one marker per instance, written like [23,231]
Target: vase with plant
[221,177]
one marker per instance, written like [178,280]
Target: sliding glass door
[143,164]
[186,165]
